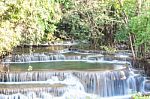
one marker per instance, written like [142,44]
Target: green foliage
[99,22]
[140,96]
[122,34]
[73,27]
[9,33]
[137,15]
[140,26]
[108,49]
[66,4]
[127,9]
[27,21]
[130,7]
[87,20]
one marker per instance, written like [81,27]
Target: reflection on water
[65,65]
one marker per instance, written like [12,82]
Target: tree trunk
[130,35]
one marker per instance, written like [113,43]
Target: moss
[140,97]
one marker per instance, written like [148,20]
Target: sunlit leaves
[138,22]
[130,7]
[140,26]
[27,21]
[87,20]
[8,39]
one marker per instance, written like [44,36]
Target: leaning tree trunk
[130,35]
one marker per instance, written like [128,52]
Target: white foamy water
[113,84]
[78,85]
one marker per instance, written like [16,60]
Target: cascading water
[40,58]
[103,84]
[49,57]
[109,83]
[72,84]
[56,83]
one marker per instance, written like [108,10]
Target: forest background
[104,24]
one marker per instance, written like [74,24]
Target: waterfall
[71,84]
[102,84]
[37,57]
[51,57]
[29,76]
[145,88]
[54,84]
[107,83]
[36,90]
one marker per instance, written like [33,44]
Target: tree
[27,22]
[136,27]
[90,20]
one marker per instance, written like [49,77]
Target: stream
[70,74]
